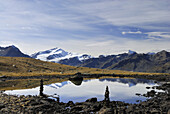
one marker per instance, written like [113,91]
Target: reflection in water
[130,82]
[121,89]
[77,82]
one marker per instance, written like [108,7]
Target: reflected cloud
[120,89]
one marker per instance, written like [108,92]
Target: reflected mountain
[120,88]
[59,85]
[130,82]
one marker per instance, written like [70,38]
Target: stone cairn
[41,87]
[107,99]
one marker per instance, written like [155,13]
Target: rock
[96,107]
[151,93]
[76,77]
[45,101]
[147,87]
[32,103]
[138,94]
[154,111]
[2,106]
[92,100]
[105,110]
[76,108]
[153,87]
[70,103]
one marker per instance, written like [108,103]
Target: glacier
[57,54]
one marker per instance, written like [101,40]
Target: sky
[95,27]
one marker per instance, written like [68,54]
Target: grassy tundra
[19,66]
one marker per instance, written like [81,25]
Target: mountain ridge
[132,61]
[159,62]
[11,51]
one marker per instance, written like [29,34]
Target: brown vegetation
[20,66]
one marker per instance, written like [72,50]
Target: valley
[20,79]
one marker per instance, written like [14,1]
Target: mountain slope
[22,66]
[57,54]
[159,62]
[11,51]
[131,61]
[105,61]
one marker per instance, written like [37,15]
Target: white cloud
[86,26]
[115,46]
[38,15]
[130,32]
[158,35]
[130,12]
[73,15]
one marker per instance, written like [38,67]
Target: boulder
[92,100]
[78,76]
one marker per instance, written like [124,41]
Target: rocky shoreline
[158,104]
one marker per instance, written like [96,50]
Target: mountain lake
[121,89]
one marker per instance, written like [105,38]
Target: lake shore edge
[159,103]
[158,77]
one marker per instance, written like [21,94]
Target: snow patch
[57,54]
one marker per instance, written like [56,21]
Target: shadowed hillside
[11,51]
[158,63]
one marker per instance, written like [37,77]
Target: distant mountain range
[159,62]
[131,61]
[11,51]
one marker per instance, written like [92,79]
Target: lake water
[121,89]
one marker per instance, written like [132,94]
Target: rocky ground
[158,104]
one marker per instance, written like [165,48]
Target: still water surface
[121,89]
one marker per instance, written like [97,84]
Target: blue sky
[86,26]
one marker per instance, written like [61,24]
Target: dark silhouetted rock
[92,100]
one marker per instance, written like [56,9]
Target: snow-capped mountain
[59,85]
[57,54]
